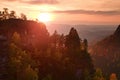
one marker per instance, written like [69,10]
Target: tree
[30,74]
[1,15]
[55,39]
[23,16]
[48,77]
[62,41]
[12,15]
[16,38]
[98,75]
[87,75]
[85,42]
[19,65]
[80,60]
[73,40]
[20,62]
[5,13]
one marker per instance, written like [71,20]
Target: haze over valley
[93,33]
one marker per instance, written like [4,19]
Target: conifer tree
[85,42]
[72,40]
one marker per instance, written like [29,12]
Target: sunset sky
[69,11]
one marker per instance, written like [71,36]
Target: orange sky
[67,11]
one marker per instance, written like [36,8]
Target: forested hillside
[106,54]
[28,52]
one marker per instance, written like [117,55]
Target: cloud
[10,0]
[35,2]
[91,12]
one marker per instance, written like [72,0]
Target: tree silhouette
[55,39]
[5,13]
[98,75]
[85,42]
[73,40]
[12,15]
[62,41]
[1,16]
[23,16]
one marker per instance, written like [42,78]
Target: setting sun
[44,17]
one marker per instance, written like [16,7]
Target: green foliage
[48,77]
[30,74]
[20,62]
[98,75]
[16,38]
[87,75]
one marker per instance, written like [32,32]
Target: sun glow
[45,17]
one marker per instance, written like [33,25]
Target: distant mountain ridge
[117,32]
[93,33]
[106,53]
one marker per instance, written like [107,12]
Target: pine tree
[98,75]
[55,39]
[72,40]
[85,42]
[12,15]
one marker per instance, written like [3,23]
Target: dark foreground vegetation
[28,52]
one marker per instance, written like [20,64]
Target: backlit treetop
[6,14]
